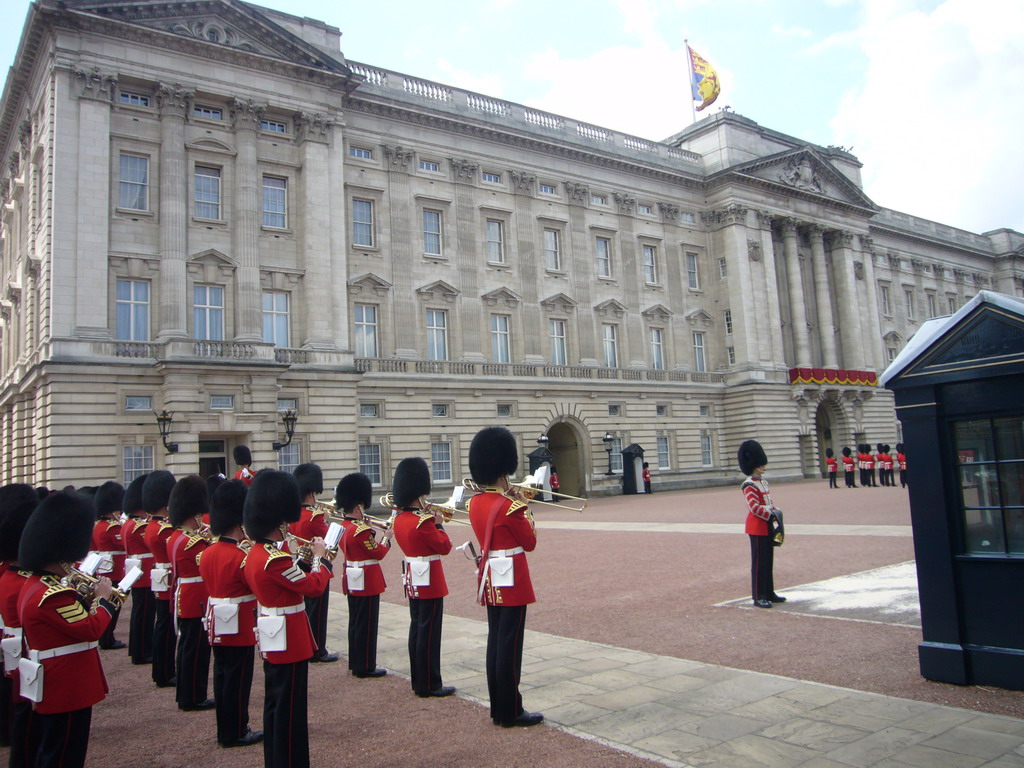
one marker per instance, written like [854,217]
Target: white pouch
[502,572]
[160,579]
[272,632]
[132,562]
[225,619]
[12,652]
[419,573]
[357,579]
[31,679]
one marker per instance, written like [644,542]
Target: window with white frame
[429,165]
[275,202]
[365,323]
[689,218]
[616,456]
[369,410]
[650,255]
[692,272]
[133,183]
[207,192]
[495,241]
[705,410]
[136,460]
[437,334]
[222,402]
[439,410]
[730,353]
[361,152]
[597,199]
[556,333]
[362,222]
[615,409]
[908,303]
[289,457]
[209,113]
[727,316]
[552,255]
[932,307]
[491,178]
[890,354]
[275,318]
[610,344]
[699,362]
[208,312]
[135,99]
[664,461]
[369,461]
[656,336]
[500,352]
[548,189]
[885,297]
[287,404]
[131,310]
[723,267]
[644,210]
[951,304]
[661,411]
[505,410]
[273,126]
[138,403]
[603,247]
[706,458]
[431,232]
[441,462]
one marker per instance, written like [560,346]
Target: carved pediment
[610,308]
[658,313]
[501,297]
[213,256]
[368,285]
[559,303]
[211,266]
[211,145]
[700,319]
[892,338]
[438,291]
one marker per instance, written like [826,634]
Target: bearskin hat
[59,530]
[273,499]
[310,479]
[846,450]
[17,501]
[109,499]
[412,480]
[212,482]
[885,448]
[880,448]
[188,499]
[899,448]
[829,453]
[354,490]
[751,456]
[242,456]
[492,454]
[157,490]
[226,506]
[88,491]
[132,502]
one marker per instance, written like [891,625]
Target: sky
[928,94]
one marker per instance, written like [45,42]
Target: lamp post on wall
[608,439]
[163,420]
[288,418]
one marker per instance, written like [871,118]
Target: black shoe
[525,720]
[250,738]
[201,706]
[378,672]
[438,693]
[114,646]
[762,603]
[324,658]
[168,683]
[776,599]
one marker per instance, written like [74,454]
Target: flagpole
[689,69]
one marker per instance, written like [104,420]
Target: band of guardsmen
[213,571]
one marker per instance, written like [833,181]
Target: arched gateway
[571,456]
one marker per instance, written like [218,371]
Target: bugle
[527,491]
[446,510]
[305,553]
[85,585]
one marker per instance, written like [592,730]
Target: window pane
[369,462]
[274,202]
[432,233]
[1015,530]
[984,530]
[362,222]
[499,338]
[974,441]
[207,192]
[441,462]
[1009,437]
[604,257]
[437,335]
[134,183]
[366,330]
[495,250]
[288,457]
[551,256]
[557,334]
[617,455]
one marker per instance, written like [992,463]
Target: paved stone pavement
[686,713]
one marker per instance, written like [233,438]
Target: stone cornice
[731,179]
[880,230]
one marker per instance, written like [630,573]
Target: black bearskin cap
[109,498]
[212,483]
[17,501]
[829,453]
[310,479]
[42,492]
[412,480]
[885,448]
[188,499]
[751,456]
[354,490]
[226,506]
[272,500]
[242,456]
[59,530]
[492,454]
[132,503]
[880,448]
[846,450]
[157,490]
[88,491]
[899,448]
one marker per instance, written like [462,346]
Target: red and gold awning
[832,376]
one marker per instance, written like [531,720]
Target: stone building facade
[209,211]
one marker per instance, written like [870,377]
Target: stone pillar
[313,135]
[469,327]
[408,314]
[843,270]
[797,308]
[772,347]
[530,321]
[634,339]
[823,297]
[245,116]
[871,325]
[174,103]
[589,345]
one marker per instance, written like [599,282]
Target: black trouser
[107,639]
[762,586]
[163,643]
[232,681]
[63,738]
[363,618]
[316,611]
[849,479]
[140,625]
[192,663]
[506,625]
[833,480]
[903,478]
[425,643]
[285,723]
[6,702]
[24,738]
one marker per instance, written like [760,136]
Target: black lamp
[607,440]
[163,421]
[543,440]
[288,418]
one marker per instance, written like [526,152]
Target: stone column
[871,326]
[772,346]
[245,116]
[586,321]
[530,320]
[174,103]
[313,135]
[468,327]
[850,336]
[823,297]
[797,309]
[407,314]
[634,338]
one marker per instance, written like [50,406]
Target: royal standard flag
[705,80]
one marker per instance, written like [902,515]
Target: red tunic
[901,459]
[11,582]
[359,544]
[189,596]
[246,475]
[278,582]
[848,463]
[54,616]
[513,527]
[418,536]
[107,540]
[220,565]
[833,465]
[759,505]
[133,533]
[157,533]
[312,523]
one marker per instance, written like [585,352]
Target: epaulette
[424,516]
[140,526]
[361,527]
[193,539]
[113,523]
[316,513]
[273,554]
[516,506]
[54,587]
[164,525]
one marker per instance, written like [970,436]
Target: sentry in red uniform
[156,492]
[513,529]
[419,536]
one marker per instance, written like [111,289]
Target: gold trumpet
[85,585]
[305,553]
[327,507]
[527,491]
[445,511]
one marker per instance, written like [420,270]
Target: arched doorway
[564,444]
[828,432]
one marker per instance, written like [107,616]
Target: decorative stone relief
[611,307]
[627,204]
[211,31]
[502,296]
[25,137]
[313,126]
[173,99]
[657,313]
[559,303]
[919,266]
[369,284]
[754,249]
[398,156]
[801,174]
[523,183]
[858,270]
[578,193]
[732,214]
[959,275]
[246,114]
[700,319]
[464,170]
[438,291]
[95,84]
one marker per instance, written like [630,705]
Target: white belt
[423,559]
[190,579]
[505,552]
[111,552]
[63,650]
[267,610]
[365,563]
[142,555]
[232,600]
[13,632]
[165,566]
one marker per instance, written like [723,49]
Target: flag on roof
[705,80]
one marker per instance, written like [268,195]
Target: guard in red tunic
[311,524]
[286,641]
[185,509]
[363,576]
[61,670]
[832,467]
[243,458]
[231,616]
[424,542]
[133,534]
[760,512]
[885,466]
[155,493]
[505,531]
[849,466]
[901,459]
[17,501]
[107,541]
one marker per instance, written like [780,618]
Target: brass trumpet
[445,511]
[327,507]
[527,491]
[305,552]
[85,585]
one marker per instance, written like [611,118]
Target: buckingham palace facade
[211,215]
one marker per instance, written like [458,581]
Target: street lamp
[608,439]
[288,418]
[543,440]
[163,420]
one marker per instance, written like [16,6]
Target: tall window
[556,332]
[932,310]
[723,267]
[727,316]
[275,202]
[288,458]
[650,264]
[495,241]
[366,330]
[136,460]
[369,461]
[207,183]
[951,304]
[552,256]
[908,303]
[275,318]
[499,339]
[692,275]
[441,462]
[699,363]
[133,191]
[705,449]
[604,257]
[131,310]
[617,455]
[208,312]
[362,222]
[657,349]
[432,232]
[990,453]
[610,342]
[437,334]
[664,461]
[886,298]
